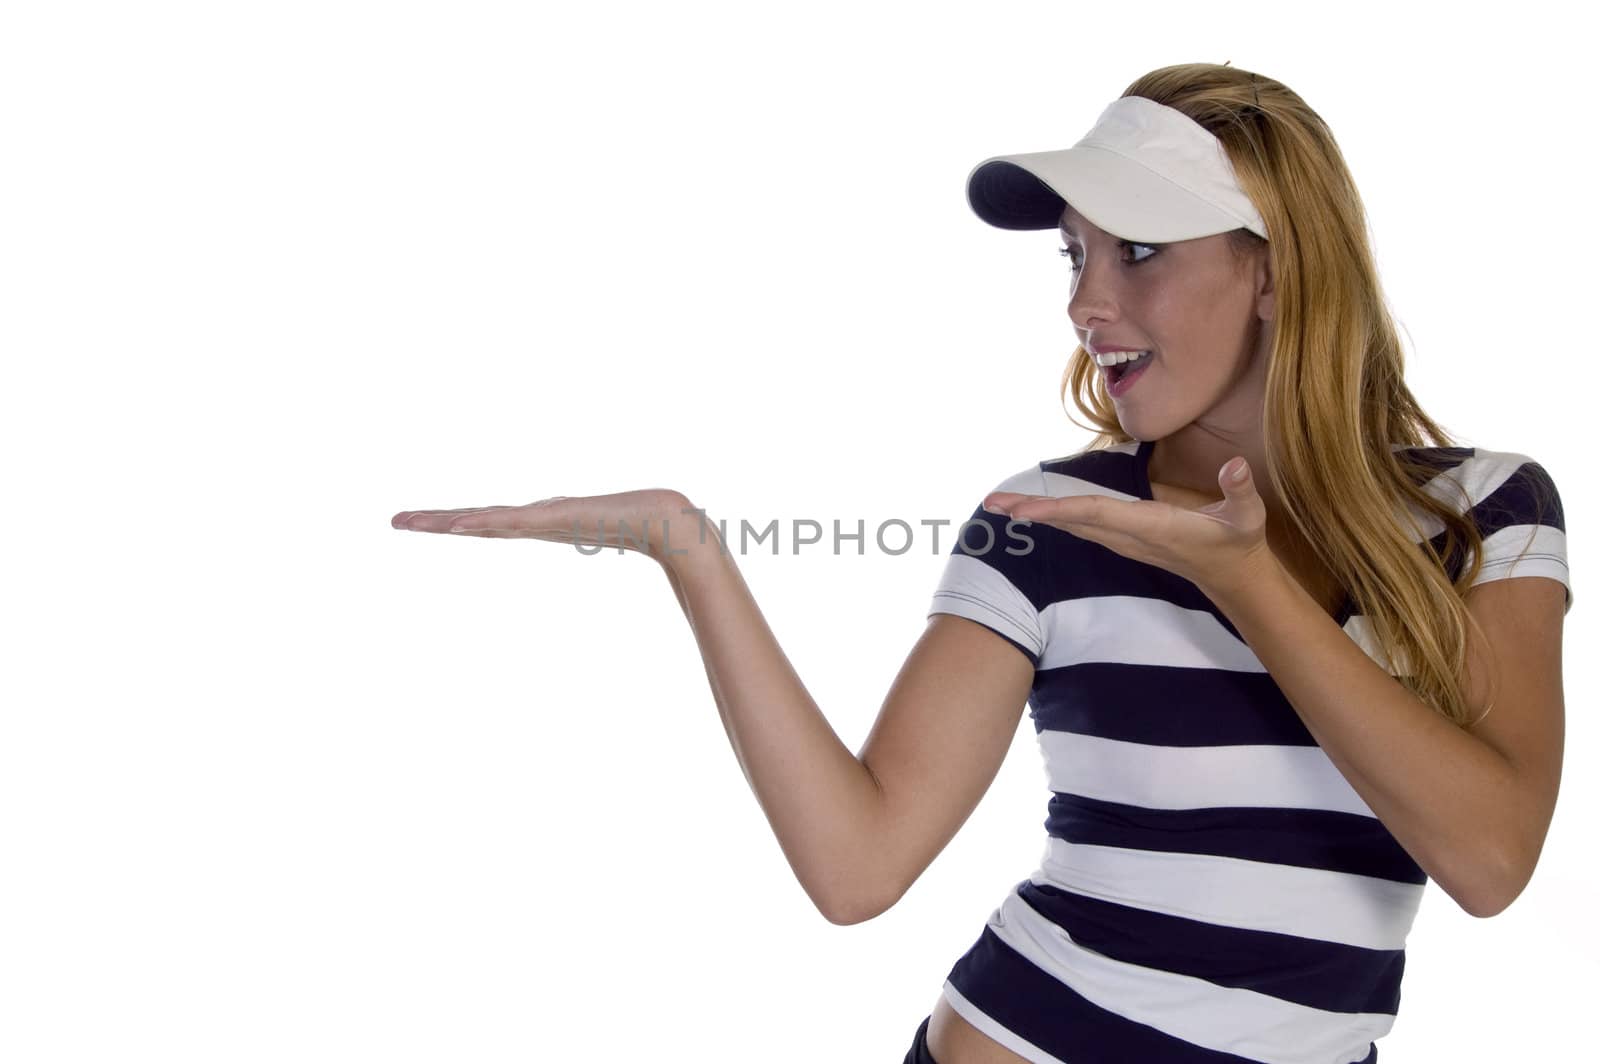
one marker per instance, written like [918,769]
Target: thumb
[1235,477]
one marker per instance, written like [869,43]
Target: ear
[1266,294]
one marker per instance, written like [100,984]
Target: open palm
[651,521]
[1218,545]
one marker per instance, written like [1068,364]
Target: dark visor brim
[1009,197]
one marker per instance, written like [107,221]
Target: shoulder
[1512,501]
[1499,488]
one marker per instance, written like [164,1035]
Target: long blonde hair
[1336,397]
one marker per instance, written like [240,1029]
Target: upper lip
[1095,349]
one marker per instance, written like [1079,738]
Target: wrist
[689,537]
[1251,581]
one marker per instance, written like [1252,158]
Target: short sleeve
[995,573]
[1522,522]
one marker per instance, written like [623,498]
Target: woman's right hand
[651,521]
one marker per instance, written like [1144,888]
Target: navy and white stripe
[1212,889]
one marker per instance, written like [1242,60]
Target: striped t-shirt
[1212,889]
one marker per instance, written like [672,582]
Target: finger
[457,510]
[1117,524]
[1071,510]
[500,519]
[1007,502]
[505,515]
[1236,481]
[404,517]
[441,520]
[535,520]
[1001,502]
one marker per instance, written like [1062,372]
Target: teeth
[1118,356]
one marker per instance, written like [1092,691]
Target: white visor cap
[1145,172]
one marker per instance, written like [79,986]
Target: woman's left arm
[1472,807]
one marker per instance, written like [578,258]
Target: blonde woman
[1265,624]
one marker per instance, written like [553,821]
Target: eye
[1153,249]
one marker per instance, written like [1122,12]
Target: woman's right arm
[858,831]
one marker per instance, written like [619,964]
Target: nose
[1093,303]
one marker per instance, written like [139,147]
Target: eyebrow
[1069,233]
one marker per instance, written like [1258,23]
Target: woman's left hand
[1218,547]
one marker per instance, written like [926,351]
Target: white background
[278,782]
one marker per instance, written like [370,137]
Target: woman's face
[1200,313]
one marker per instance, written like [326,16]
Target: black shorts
[918,1053]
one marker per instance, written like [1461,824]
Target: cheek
[1178,318]
[1221,311]
[1205,312]
[1204,330]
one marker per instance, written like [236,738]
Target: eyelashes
[1154,250]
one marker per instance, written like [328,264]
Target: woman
[1264,700]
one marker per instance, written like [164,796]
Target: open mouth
[1116,370]
[1121,377]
